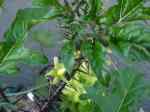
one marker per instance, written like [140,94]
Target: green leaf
[8,68]
[28,17]
[132,41]
[127,89]
[1,3]
[94,8]
[27,56]
[67,55]
[142,13]
[4,48]
[126,10]
[12,48]
[96,56]
[105,79]
[18,54]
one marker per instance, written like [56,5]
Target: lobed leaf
[132,41]
[127,89]
[126,10]
[12,49]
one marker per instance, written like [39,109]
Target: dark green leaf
[4,48]
[94,8]
[96,56]
[67,55]
[105,79]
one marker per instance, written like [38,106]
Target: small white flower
[30,96]
[56,60]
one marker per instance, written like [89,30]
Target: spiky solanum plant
[92,33]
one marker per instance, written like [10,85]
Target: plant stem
[27,91]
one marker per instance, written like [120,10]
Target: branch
[27,91]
